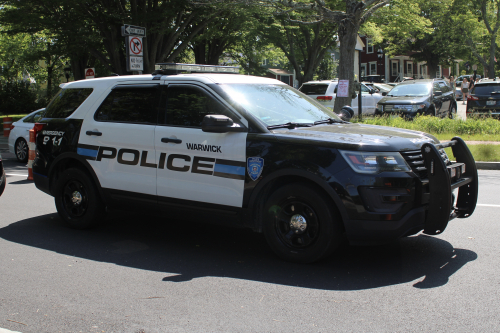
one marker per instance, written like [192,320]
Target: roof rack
[174,68]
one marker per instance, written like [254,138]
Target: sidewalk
[4,145]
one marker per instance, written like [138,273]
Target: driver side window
[188,105]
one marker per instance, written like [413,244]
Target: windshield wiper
[330,121]
[289,125]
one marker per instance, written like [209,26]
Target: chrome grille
[415,160]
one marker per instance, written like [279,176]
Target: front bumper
[434,202]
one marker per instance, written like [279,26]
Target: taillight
[324,98]
[38,127]
[11,127]
[472,98]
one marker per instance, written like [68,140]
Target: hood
[403,100]
[356,137]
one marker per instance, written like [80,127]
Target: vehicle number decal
[55,141]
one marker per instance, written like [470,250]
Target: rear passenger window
[66,101]
[486,89]
[187,106]
[124,104]
[314,89]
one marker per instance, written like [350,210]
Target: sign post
[135,48]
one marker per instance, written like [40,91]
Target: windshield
[416,89]
[382,87]
[277,104]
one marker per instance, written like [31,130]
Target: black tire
[303,242]
[3,182]
[452,114]
[22,150]
[77,199]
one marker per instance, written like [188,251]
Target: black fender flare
[74,156]
[317,180]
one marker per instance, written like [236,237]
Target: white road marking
[3,330]
[486,205]
[15,175]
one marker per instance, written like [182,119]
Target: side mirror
[346,113]
[384,93]
[215,123]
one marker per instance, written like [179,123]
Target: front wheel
[77,199]
[300,225]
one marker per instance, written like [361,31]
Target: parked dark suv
[430,97]
[484,99]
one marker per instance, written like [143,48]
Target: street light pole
[380,55]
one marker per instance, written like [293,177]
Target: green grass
[15,117]
[477,129]
[486,127]
[482,153]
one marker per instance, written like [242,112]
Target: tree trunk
[491,66]
[348,38]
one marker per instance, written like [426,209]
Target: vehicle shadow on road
[185,251]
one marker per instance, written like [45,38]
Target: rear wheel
[300,225]
[21,150]
[77,199]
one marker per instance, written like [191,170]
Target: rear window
[314,89]
[66,101]
[486,89]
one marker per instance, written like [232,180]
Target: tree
[94,26]
[480,25]
[304,46]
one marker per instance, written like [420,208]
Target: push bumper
[443,179]
[438,204]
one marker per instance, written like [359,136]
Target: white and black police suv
[249,151]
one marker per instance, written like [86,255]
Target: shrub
[435,125]
[18,97]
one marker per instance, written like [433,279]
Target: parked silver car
[19,134]
[325,92]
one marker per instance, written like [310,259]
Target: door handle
[169,140]
[93,133]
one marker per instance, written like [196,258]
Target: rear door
[194,165]
[118,140]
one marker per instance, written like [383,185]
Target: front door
[195,165]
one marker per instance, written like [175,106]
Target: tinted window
[187,106]
[130,105]
[314,89]
[66,101]
[28,119]
[444,87]
[486,89]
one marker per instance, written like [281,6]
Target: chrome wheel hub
[298,223]
[76,198]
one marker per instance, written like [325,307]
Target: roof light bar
[173,68]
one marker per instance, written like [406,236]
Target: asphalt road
[140,273]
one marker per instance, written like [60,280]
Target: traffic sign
[135,64]
[132,30]
[89,73]
[134,46]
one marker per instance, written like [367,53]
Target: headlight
[373,163]
[417,107]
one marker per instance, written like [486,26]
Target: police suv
[248,151]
